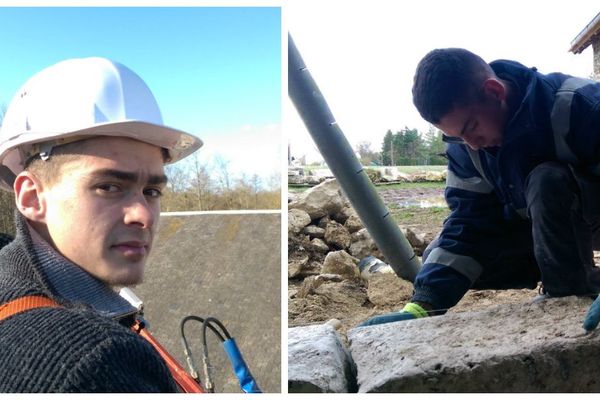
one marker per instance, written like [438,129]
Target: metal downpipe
[340,158]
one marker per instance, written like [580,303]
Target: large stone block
[317,361]
[319,201]
[535,347]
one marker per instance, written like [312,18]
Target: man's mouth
[132,249]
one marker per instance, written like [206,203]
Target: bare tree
[256,184]
[224,178]
[201,182]
[367,155]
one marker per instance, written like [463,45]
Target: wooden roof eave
[584,39]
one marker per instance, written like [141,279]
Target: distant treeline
[197,186]
[406,147]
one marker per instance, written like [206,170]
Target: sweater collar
[70,282]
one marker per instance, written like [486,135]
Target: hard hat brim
[178,143]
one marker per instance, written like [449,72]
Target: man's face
[482,123]
[102,212]
[479,125]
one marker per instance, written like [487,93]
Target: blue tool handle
[240,368]
[387,318]
[593,316]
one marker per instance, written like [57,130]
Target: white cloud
[249,149]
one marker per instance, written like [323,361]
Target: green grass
[297,188]
[433,216]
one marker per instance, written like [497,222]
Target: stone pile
[326,236]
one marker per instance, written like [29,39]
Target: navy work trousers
[564,208]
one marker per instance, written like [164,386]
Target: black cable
[208,322]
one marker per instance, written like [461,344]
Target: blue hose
[247,382]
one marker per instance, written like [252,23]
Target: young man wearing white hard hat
[83,147]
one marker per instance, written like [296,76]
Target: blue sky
[215,71]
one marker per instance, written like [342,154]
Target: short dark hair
[446,78]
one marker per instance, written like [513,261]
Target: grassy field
[388,186]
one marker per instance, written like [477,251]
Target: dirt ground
[353,301]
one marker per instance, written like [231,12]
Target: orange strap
[25,303]
[183,379]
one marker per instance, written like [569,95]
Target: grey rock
[343,215]
[323,222]
[318,361]
[314,231]
[323,199]
[313,180]
[296,179]
[297,220]
[533,347]
[363,245]
[319,245]
[353,224]
[311,283]
[417,241]
[296,267]
[340,263]
[336,235]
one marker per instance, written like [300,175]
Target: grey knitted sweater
[85,346]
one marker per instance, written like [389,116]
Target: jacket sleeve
[457,257]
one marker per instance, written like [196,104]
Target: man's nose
[140,212]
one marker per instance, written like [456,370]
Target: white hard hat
[79,98]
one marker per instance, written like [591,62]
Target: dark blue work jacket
[557,119]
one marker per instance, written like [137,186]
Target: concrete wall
[223,265]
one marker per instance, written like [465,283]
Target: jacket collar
[525,80]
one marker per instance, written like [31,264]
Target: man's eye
[109,187]
[152,192]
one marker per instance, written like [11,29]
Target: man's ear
[494,88]
[29,197]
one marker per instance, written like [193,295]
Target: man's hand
[410,311]
[593,316]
